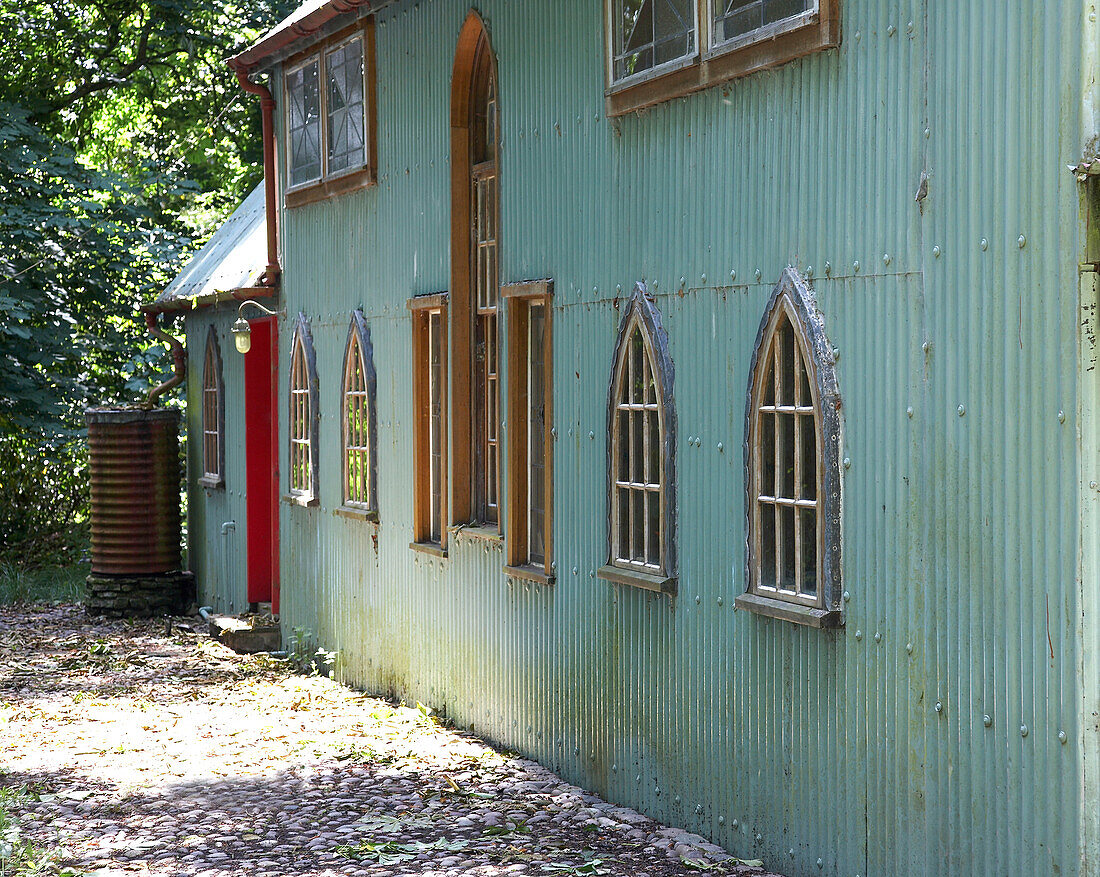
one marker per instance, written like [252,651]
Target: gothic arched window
[359,431]
[304,414]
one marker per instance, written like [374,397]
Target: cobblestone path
[135,748]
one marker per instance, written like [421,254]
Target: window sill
[356,514]
[527,573]
[636,579]
[432,548]
[475,532]
[792,612]
[212,483]
[331,188]
[303,500]
[722,64]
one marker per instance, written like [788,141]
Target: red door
[261,368]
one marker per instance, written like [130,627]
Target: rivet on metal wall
[733,273]
[735,823]
[908,648]
[859,634]
[719,601]
[683,282]
[703,279]
[878,637]
[890,31]
[855,266]
[1023,730]
[962,410]
[595,290]
[821,863]
[984,245]
[721,447]
[939,707]
[828,268]
[847,596]
[987,720]
[886,259]
[909,412]
[1021,242]
[758,274]
[790,852]
[698,809]
[656,790]
[618,288]
[553,432]
[591,434]
[1061,416]
[638,778]
[847,463]
[926,346]
[809,270]
[1062,736]
[909,28]
[676,800]
[936,251]
[576,750]
[859,36]
[574,570]
[698,599]
[759,837]
[721,820]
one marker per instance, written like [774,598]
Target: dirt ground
[145,747]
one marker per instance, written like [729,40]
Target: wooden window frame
[359,345]
[518,299]
[303,427]
[213,476]
[641,313]
[422,307]
[350,179]
[792,301]
[767,47]
[473,47]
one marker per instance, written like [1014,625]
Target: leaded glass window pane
[304,123]
[650,33]
[738,18]
[345,109]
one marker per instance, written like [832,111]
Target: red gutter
[267,105]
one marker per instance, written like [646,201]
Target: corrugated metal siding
[960,532]
[218,559]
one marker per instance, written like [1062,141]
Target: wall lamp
[242,332]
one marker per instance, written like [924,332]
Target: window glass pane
[785,422]
[808,572]
[786,363]
[637,437]
[648,33]
[736,18]
[346,107]
[536,434]
[766,517]
[786,548]
[808,439]
[623,471]
[637,525]
[622,546]
[653,443]
[304,123]
[653,527]
[767,454]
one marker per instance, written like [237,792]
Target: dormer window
[330,117]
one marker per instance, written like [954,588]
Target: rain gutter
[208,300]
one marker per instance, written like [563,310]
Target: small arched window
[213,415]
[360,384]
[641,471]
[304,414]
[791,450]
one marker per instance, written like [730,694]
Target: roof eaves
[306,22]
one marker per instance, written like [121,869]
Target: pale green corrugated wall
[960,530]
[217,558]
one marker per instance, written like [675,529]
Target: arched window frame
[213,414]
[793,299]
[359,347]
[303,426]
[642,315]
[475,439]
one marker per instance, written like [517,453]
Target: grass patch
[53,583]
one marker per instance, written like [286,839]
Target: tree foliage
[124,141]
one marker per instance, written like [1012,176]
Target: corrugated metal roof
[235,256]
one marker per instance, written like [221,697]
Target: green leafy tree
[124,141]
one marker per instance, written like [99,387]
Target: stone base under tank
[148,596]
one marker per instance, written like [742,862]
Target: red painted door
[261,367]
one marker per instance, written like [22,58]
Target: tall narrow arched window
[213,415]
[640,462]
[792,476]
[359,431]
[475,282]
[304,415]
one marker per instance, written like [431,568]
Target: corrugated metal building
[907,161]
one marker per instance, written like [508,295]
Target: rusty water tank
[135,490]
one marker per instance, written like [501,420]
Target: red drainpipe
[267,108]
[179,359]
